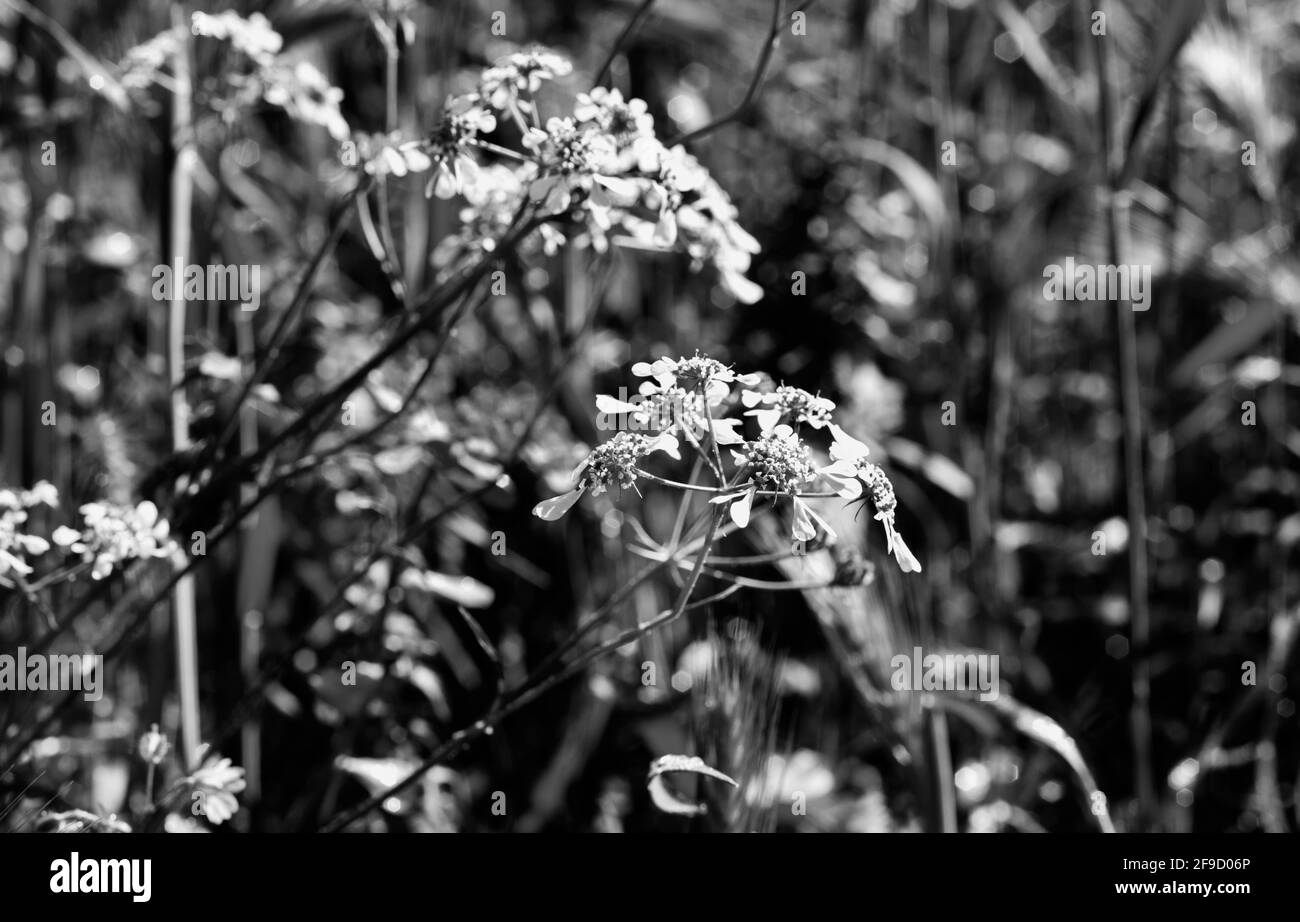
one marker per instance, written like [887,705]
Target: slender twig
[275,344]
[632,25]
[755,83]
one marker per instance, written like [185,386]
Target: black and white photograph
[651,416]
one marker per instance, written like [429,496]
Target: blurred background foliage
[909,167]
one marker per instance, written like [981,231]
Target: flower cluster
[611,464]
[116,533]
[252,36]
[509,85]
[14,544]
[296,86]
[777,460]
[778,464]
[594,175]
[450,144]
[793,404]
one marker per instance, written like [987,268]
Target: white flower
[520,73]
[114,534]
[217,781]
[383,155]
[575,166]
[624,121]
[612,463]
[15,545]
[849,472]
[788,402]
[451,145]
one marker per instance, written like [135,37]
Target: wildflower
[217,782]
[306,94]
[669,408]
[253,36]
[115,533]
[624,121]
[676,174]
[520,73]
[14,544]
[141,65]
[788,402]
[576,162]
[612,463]
[849,472]
[383,155]
[778,462]
[463,120]
[698,371]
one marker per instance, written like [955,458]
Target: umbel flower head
[577,164]
[688,397]
[777,462]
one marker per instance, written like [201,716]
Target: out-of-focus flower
[253,36]
[141,64]
[79,821]
[520,73]
[451,144]
[114,533]
[624,121]
[15,545]
[695,213]
[218,781]
[576,164]
[153,746]
[387,155]
[612,463]
[306,94]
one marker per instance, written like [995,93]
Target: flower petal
[668,444]
[907,561]
[548,510]
[740,509]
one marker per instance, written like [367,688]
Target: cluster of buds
[778,461]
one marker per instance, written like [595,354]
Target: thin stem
[632,25]
[187,653]
[278,336]
[1117,201]
[482,727]
[755,83]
